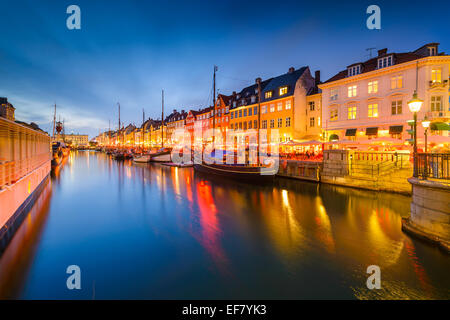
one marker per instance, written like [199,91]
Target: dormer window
[253,99]
[354,70]
[283,90]
[268,95]
[385,62]
[432,51]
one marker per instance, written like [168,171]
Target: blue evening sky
[127,51]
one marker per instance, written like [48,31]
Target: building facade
[366,105]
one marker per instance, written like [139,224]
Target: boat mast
[214,105]
[143,129]
[258,81]
[162,120]
[54,122]
[118,132]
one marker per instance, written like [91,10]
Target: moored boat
[162,155]
[141,158]
[246,173]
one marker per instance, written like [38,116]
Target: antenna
[370,52]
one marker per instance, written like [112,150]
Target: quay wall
[430,212]
[378,171]
[25,164]
[303,170]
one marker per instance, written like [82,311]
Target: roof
[288,79]
[371,64]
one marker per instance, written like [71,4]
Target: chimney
[382,52]
[257,80]
[317,77]
[291,70]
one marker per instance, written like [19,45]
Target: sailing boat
[143,157]
[119,154]
[163,154]
[242,172]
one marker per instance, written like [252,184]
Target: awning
[333,137]
[440,126]
[395,129]
[350,132]
[372,131]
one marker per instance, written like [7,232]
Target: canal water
[158,232]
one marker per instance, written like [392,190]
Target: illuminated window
[272,123]
[280,122]
[283,90]
[264,109]
[436,103]
[351,112]
[268,95]
[436,75]
[396,107]
[311,122]
[279,106]
[288,121]
[397,82]
[288,105]
[333,115]
[334,94]
[373,86]
[352,91]
[272,108]
[373,110]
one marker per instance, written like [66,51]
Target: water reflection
[152,231]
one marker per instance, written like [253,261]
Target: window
[283,90]
[397,82]
[264,124]
[240,125]
[245,125]
[240,113]
[352,91]
[255,110]
[234,104]
[272,123]
[352,71]
[288,121]
[249,124]
[373,110]
[385,62]
[311,106]
[333,115]
[272,108]
[255,124]
[431,51]
[249,111]
[373,86]
[280,122]
[245,112]
[279,106]
[231,126]
[231,115]
[396,107]
[334,94]
[253,99]
[436,76]
[288,105]
[311,122]
[351,112]
[268,95]
[436,103]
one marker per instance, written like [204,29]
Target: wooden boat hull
[142,159]
[241,173]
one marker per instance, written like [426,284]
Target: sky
[128,51]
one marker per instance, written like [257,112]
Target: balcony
[433,115]
[434,84]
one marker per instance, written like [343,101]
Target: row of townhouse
[363,106]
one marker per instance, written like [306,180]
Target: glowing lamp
[415,103]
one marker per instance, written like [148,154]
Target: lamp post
[414,106]
[426,125]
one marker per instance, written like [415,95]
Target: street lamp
[414,106]
[426,125]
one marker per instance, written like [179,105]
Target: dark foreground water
[156,232]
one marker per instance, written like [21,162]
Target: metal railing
[433,165]
[22,150]
[377,163]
